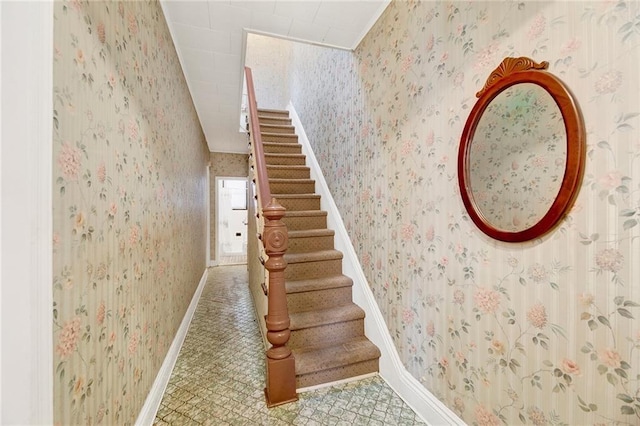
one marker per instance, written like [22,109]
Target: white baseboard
[423,402]
[148,413]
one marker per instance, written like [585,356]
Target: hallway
[218,378]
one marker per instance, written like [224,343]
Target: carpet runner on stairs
[327,328]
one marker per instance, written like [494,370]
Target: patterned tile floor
[218,378]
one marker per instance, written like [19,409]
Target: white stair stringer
[423,402]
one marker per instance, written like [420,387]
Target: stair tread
[269,110]
[287,166]
[267,144]
[295,195]
[305,213]
[311,360]
[315,284]
[313,256]
[306,233]
[282,154]
[277,126]
[290,180]
[318,317]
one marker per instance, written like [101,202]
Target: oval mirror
[522,152]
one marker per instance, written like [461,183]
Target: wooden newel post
[281,374]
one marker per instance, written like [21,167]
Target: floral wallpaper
[223,165]
[545,332]
[268,58]
[518,157]
[129,164]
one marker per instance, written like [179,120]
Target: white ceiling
[210,38]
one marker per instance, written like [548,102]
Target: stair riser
[326,335]
[297,204]
[309,244]
[288,173]
[274,120]
[289,148]
[318,299]
[336,374]
[306,270]
[283,161]
[277,129]
[292,188]
[280,138]
[304,223]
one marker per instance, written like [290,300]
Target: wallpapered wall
[269,60]
[541,332]
[128,210]
[223,165]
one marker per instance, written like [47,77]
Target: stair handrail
[280,366]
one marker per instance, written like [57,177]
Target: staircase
[327,328]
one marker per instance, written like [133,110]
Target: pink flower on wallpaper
[112,338]
[538,273]
[113,209]
[458,297]
[444,362]
[101,32]
[408,316]
[570,45]
[610,180]
[69,161]
[79,57]
[484,417]
[487,300]
[431,329]
[537,315]
[133,24]
[134,340]
[68,339]
[609,82]
[133,129]
[486,58]
[111,80]
[609,259]
[458,404]
[458,79]
[78,222]
[430,233]
[100,314]
[134,235]
[430,43]
[537,27]
[610,357]
[406,64]
[407,231]
[570,367]
[536,415]
[101,173]
[586,299]
[497,346]
[407,147]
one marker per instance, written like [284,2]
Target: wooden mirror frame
[510,72]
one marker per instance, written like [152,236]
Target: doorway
[231,220]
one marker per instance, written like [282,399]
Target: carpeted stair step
[281,148]
[293,202]
[326,327]
[278,113]
[349,359]
[288,172]
[305,219]
[282,159]
[292,186]
[279,137]
[315,264]
[308,240]
[274,120]
[318,293]
[277,128]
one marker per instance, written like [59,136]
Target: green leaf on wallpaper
[592,324]
[625,398]
[618,300]
[627,212]
[625,313]
[604,144]
[629,223]
[604,320]
[630,303]
[611,200]
[554,286]
[620,372]
[625,365]
[625,409]
[602,369]
[547,363]
[612,379]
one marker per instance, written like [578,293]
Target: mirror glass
[522,152]
[517,157]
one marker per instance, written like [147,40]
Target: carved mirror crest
[522,152]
